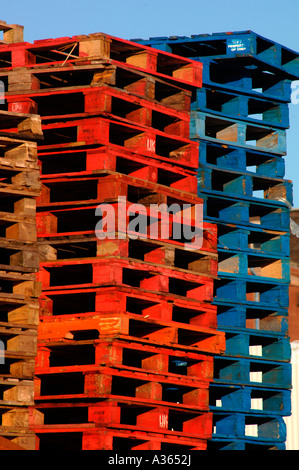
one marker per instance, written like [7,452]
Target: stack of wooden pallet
[19,289]
[127,332]
[240,117]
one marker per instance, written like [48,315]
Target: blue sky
[274,19]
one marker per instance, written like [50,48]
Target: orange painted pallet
[129,325]
[130,355]
[80,303]
[121,271]
[78,437]
[119,415]
[91,382]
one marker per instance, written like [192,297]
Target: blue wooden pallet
[259,318]
[253,240]
[208,126]
[251,82]
[243,444]
[235,158]
[258,400]
[265,345]
[234,425]
[227,45]
[231,105]
[238,264]
[229,210]
[244,184]
[242,291]
[253,372]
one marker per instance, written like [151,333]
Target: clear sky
[274,19]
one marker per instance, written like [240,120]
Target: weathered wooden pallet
[253,240]
[90,382]
[78,49]
[260,401]
[263,345]
[266,215]
[226,58]
[254,427]
[175,229]
[228,45]
[79,437]
[243,107]
[129,355]
[81,102]
[244,316]
[114,414]
[32,89]
[234,158]
[155,331]
[123,271]
[243,444]
[140,140]
[107,160]
[103,187]
[77,303]
[272,294]
[252,372]
[208,126]
[239,264]
[245,185]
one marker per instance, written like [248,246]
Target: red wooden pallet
[139,140]
[82,102]
[205,340]
[112,414]
[123,271]
[61,191]
[108,159]
[80,303]
[130,355]
[79,49]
